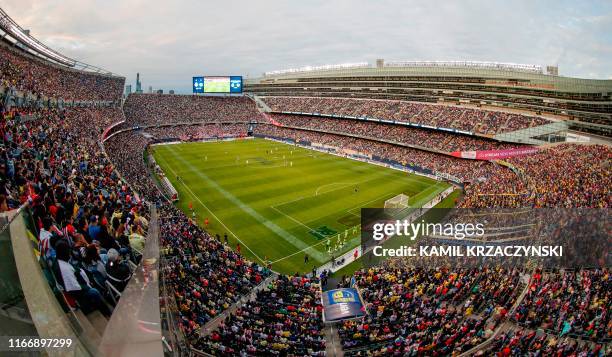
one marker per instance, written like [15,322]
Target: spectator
[117,270]
[75,282]
[437,115]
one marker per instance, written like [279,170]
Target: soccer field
[281,201]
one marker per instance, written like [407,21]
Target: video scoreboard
[217,84]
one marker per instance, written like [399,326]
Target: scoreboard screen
[217,84]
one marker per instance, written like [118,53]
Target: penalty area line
[291,218]
[310,247]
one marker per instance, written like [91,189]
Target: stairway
[261,105]
[333,345]
[93,325]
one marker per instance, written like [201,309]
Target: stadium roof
[17,35]
[473,69]
[502,66]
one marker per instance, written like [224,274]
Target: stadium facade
[585,103]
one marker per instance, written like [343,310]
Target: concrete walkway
[333,345]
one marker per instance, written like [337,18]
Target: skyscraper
[138,84]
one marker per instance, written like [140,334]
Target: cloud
[169,42]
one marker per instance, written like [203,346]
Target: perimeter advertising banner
[494,154]
[342,304]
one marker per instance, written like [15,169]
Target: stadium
[236,220]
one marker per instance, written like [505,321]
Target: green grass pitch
[216,87]
[286,201]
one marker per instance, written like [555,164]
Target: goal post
[399,201]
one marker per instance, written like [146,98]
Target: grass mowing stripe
[299,244]
[291,218]
[217,218]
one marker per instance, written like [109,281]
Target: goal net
[399,201]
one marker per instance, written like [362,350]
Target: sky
[169,42]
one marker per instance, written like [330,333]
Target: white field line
[341,184]
[288,237]
[323,241]
[349,211]
[291,218]
[335,189]
[290,201]
[359,205]
[348,243]
[362,204]
[378,198]
[353,214]
[392,194]
[212,213]
[279,162]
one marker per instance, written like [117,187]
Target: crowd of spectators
[86,215]
[565,175]
[126,151]
[464,170]
[525,342]
[26,73]
[198,132]
[205,275]
[429,139]
[285,319]
[156,109]
[435,311]
[569,303]
[126,148]
[445,116]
